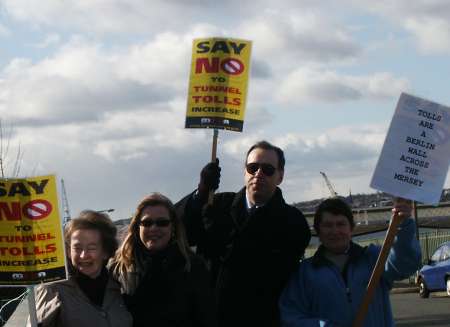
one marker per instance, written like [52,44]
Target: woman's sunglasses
[159,222]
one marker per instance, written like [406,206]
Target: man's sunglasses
[266,168]
[159,222]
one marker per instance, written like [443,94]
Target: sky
[95,91]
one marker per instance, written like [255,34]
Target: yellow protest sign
[218,83]
[31,241]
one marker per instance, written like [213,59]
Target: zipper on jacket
[344,275]
[343,278]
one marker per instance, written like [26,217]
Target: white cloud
[4,31]
[301,36]
[347,154]
[308,32]
[127,136]
[164,60]
[428,21]
[83,82]
[116,16]
[307,84]
[77,14]
[51,39]
[432,33]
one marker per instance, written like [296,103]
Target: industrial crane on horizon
[65,203]
[330,187]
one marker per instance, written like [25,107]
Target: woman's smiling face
[155,228]
[86,252]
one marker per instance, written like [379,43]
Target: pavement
[20,316]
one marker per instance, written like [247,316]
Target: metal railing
[429,242]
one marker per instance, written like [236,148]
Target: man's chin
[256,193]
[338,249]
[259,196]
[257,190]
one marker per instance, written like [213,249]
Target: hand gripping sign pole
[378,270]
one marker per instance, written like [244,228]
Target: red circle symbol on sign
[232,66]
[37,209]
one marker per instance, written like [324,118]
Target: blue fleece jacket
[319,295]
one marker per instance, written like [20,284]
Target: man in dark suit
[252,239]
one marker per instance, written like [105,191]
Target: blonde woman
[163,282]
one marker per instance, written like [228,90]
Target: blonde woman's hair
[125,256]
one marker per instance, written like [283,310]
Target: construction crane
[65,203]
[330,187]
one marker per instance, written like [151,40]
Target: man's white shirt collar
[249,205]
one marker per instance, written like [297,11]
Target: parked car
[435,275]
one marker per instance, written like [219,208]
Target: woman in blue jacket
[329,287]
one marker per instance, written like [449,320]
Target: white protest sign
[416,153]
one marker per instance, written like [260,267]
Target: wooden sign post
[377,271]
[213,159]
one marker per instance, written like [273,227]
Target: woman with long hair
[163,282]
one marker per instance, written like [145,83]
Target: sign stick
[377,271]
[416,219]
[32,306]
[213,159]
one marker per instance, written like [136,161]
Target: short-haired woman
[89,297]
[163,282]
[329,287]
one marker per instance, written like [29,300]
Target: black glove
[209,178]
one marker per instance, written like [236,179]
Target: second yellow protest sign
[31,242]
[218,83]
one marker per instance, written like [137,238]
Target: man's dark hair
[335,206]
[267,146]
